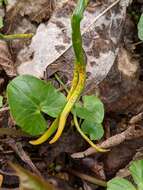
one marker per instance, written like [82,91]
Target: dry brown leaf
[52,42]
[18,149]
[1,180]
[6,62]
[37,10]
[29,181]
[30,11]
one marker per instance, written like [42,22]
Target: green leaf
[140,28]
[1,101]
[92,109]
[120,184]
[3,2]
[29,181]
[28,98]
[1,22]
[136,170]
[94,130]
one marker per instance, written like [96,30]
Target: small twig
[137,43]
[115,140]
[89,178]
[110,142]
[136,118]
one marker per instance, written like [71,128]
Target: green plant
[2,2]
[140,28]
[136,170]
[1,101]
[30,97]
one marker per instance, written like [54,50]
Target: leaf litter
[119,83]
[53,40]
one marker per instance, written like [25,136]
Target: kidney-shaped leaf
[28,97]
[92,109]
[136,169]
[94,130]
[120,184]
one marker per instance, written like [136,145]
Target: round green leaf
[92,109]
[140,28]
[94,130]
[136,169]
[119,184]
[28,97]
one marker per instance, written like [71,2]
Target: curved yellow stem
[74,97]
[74,82]
[54,125]
[47,134]
[86,138]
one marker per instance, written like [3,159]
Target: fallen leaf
[101,36]
[29,181]
[1,180]
[37,10]
[6,62]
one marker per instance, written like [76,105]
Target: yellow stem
[54,125]
[74,97]
[74,82]
[47,134]
[86,138]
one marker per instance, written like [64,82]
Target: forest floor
[116,77]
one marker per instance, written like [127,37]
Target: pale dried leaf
[29,181]
[37,10]
[11,4]
[101,40]
[126,64]
[6,62]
